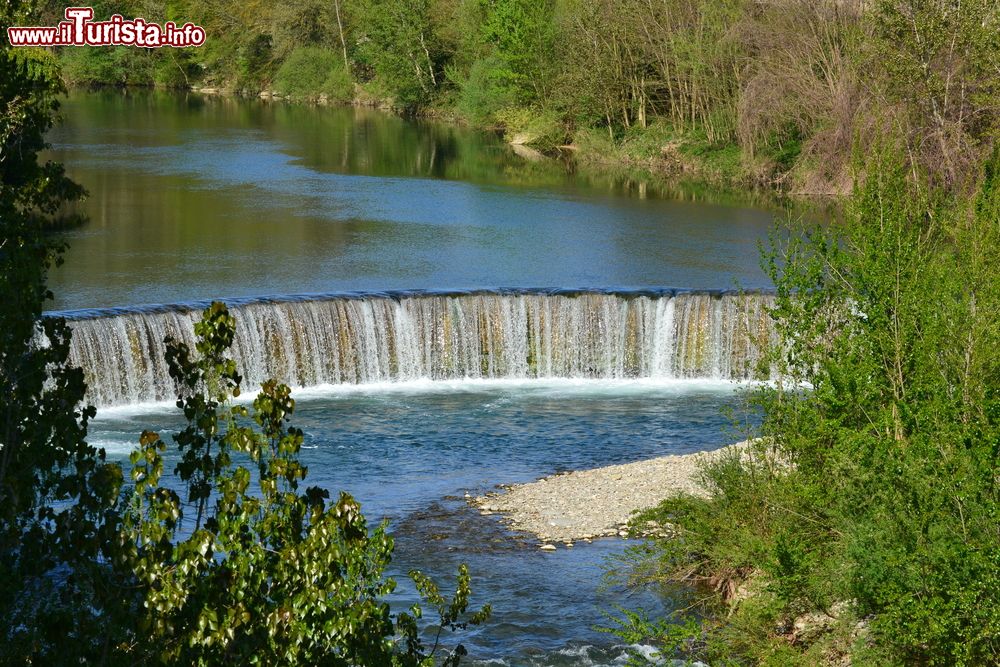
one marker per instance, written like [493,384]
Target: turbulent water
[385,338]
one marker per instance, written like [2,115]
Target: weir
[394,337]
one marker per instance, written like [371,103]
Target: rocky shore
[586,504]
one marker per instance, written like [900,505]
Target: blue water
[411,453]
[200,198]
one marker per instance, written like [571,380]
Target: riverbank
[657,151]
[685,165]
[586,504]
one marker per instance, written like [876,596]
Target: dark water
[411,453]
[196,197]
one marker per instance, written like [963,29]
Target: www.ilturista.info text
[80,30]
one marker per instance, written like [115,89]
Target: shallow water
[410,453]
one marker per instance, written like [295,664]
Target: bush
[174,69]
[265,575]
[338,86]
[311,71]
[116,65]
[483,94]
[886,504]
[540,128]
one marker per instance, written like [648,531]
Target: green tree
[521,35]
[398,41]
[311,71]
[276,575]
[941,61]
[57,493]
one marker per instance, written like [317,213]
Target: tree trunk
[340,27]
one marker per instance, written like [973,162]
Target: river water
[195,198]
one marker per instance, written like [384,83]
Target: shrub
[543,129]
[310,71]
[887,505]
[265,575]
[338,86]
[117,65]
[483,94]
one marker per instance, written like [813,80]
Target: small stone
[548,547]
[569,507]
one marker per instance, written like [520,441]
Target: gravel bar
[586,504]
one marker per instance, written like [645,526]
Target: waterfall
[393,337]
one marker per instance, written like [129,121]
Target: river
[453,317]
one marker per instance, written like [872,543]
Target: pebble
[586,504]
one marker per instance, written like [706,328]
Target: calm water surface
[196,197]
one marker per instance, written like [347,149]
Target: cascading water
[356,339]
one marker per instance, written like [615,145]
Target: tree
[272,576]
[941,61]
[397,40]
[58,495]
[521,35]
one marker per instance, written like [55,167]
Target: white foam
[556,388]
[535,386]
[115,448]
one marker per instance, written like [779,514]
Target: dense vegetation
[738,90]
[865,521]
[245,567]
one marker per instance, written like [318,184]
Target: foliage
[121,65]
[97,65]
[50,584]
[540,128]
[482,93]
[941,59]
[399,46]
[777,92]
[275,575]
[338,86]
[520,34]
[311,71]
[870,501]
